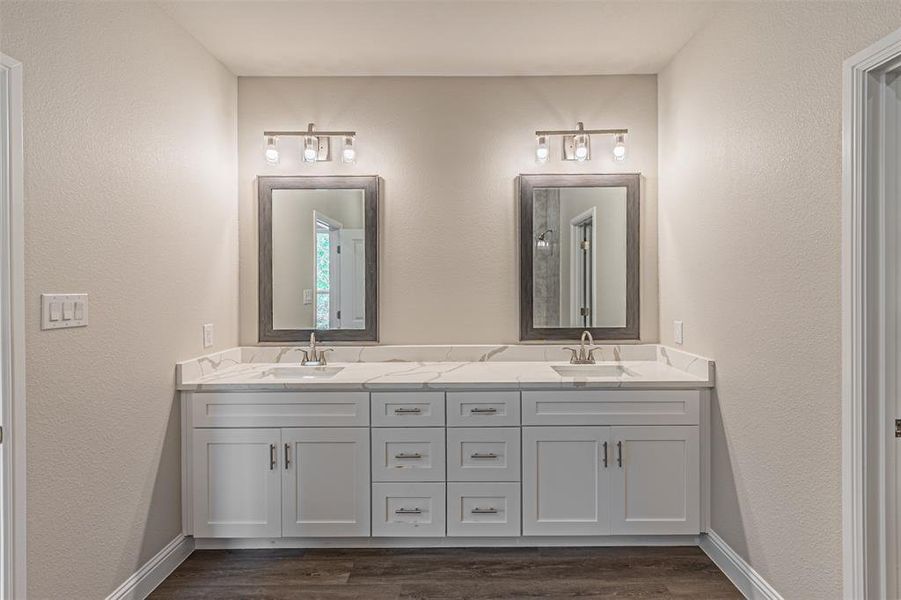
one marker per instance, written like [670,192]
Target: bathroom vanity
[445,446]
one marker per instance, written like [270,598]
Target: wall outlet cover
[678,332]
[208,335]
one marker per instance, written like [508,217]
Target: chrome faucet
[314,357]
[584,355]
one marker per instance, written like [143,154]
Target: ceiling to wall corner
[442,38]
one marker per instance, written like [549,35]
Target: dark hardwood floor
[448,573]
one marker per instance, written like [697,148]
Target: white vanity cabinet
[569,464]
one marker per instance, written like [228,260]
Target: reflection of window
[322,278]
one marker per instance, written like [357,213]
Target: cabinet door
[236,483]
[656,480]
[325,491]
[565,480]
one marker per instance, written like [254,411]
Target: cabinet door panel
[236,483]
[565,484]
[657,489]
[326,482]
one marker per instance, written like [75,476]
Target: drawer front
[483,454]
[407,409]
[483,509]
[412,454]
[280,409]
[611,407]
[482,409]
[408,509]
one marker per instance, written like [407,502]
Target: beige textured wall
[750,126]
[449,150]
[131,197]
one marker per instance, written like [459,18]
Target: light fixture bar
[578,131]
[306,133]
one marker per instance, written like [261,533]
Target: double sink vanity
[445,445]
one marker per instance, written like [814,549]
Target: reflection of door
[583,269]
[353,279]
[328,272]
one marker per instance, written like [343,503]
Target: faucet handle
[322,351]
[306,357]
[591,350]
[575,355]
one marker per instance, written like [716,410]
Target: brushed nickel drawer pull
[490,455]
[273,456]
[287,456]
[484,511]
[406,411]
[413,455]
[408,511]
[483,411]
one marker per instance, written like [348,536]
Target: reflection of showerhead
[543,241]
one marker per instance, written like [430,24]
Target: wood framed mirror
[579,256]
[318,258]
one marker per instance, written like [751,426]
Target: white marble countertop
[662,368]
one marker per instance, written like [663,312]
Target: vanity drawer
[280,409]
[483,509]
[482,409]
[611,407]
[408,509]
[483,454]
[407,409]
[411,454]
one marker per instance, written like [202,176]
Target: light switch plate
[207,335]
[61,311]
[678,331]
[308,296]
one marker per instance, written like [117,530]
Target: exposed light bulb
[310,149]
[349,154]
[619,147]
[581,146]
[542,152]
[271,152]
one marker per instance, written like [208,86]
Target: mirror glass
[579,257]
[318,259]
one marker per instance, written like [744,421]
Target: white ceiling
[299,38]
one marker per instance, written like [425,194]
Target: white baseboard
[746,579]
[154,571]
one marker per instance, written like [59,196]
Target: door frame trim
[12,341]
[866,496]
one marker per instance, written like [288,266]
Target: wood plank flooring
[448,574]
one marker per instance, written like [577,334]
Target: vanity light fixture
[542,151]
[271,152]
[315,144]
[543,242]
[619,147]
[577,143]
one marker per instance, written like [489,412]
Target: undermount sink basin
[302,372]
[592,370]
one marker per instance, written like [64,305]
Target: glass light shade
[542,152]
[310,149]
[349,153]
[619,147]
[543,244]
[271,152]
[580,143]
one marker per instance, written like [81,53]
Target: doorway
[871,322]
[12,341]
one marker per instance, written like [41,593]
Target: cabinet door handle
[605,455]
[287,455]
[273,456]
[408,511]
[483,455]
[413,455]
[405,411]
[484,511]
[619,454]
[483,411]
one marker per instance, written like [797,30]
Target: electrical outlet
[678,331]
[208,335]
